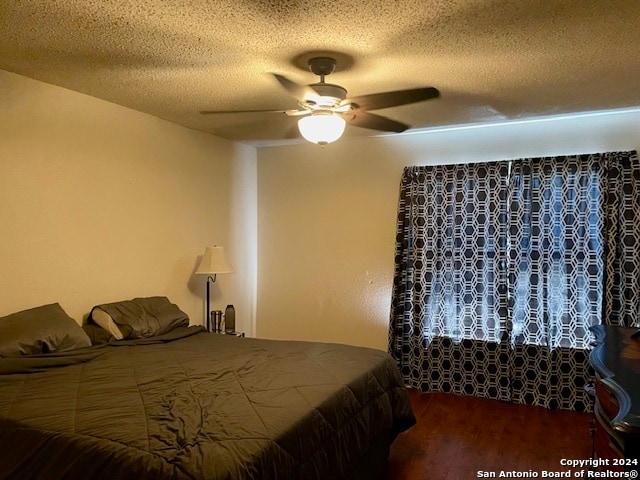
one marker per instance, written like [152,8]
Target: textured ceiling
[492,60]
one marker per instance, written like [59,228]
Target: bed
[177,402]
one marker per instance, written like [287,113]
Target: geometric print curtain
[621,234]
[448,305]
[502,267]
[555,277]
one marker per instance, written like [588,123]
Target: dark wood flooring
[457,436]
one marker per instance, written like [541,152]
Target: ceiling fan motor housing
[329,95]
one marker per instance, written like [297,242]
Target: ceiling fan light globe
[321,128]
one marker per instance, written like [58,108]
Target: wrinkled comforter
[194,405]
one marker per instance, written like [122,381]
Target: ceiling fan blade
[293,132]
[297,91]
[253,129]
[375,101]
[215,112]
[377,122]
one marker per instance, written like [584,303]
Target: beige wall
[100,203]
[326,217]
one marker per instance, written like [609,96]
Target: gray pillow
[140,317]
[38,330]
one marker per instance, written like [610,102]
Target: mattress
[195,405]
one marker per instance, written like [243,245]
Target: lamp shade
[214,260]
[321,127]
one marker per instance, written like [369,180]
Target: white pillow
[103,319]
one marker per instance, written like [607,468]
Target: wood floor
[457,436]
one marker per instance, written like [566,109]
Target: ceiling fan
[325,107]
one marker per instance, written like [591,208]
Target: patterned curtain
[448,309]
[555,277]
[501,268]
[621,234]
